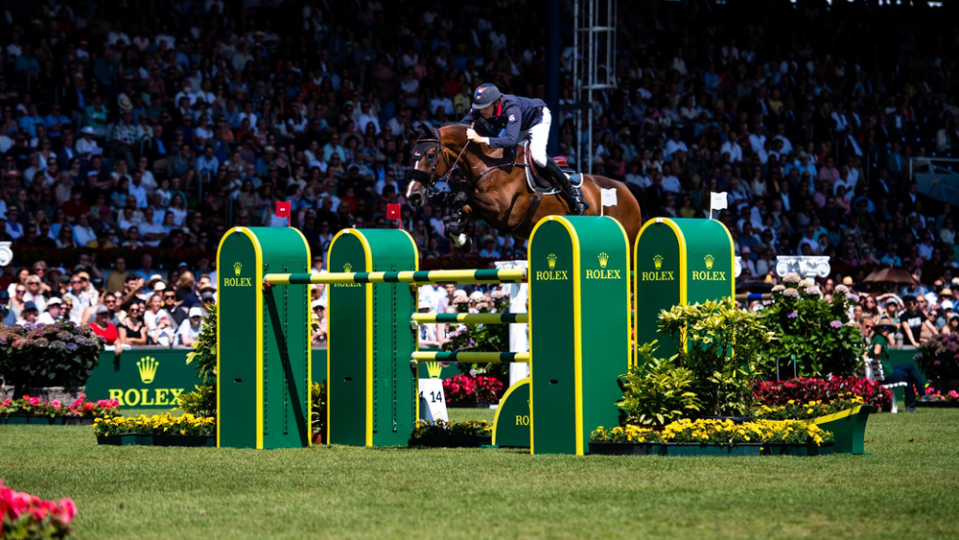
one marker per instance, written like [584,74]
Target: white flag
[609,197]
[718,201]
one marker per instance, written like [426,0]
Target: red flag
[393,211]
[283,210]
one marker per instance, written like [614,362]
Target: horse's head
[430,164]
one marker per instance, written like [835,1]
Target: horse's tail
[638,193]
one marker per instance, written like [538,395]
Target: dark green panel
[237,291]
[286,343]
[710,267]
[657,280]
[142,378]
[604,301]
[347,345]
[513,417]
[394,380]
[552,342]
[319,366]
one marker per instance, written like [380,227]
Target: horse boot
[577,205]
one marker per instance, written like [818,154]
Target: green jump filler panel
[579,329]
[372,393]
[679,262]
[263,340]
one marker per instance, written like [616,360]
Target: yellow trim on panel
[529,298]
[309,345]
[626,284]
[258,252]
[416,344]
[219,249]
[369,338]
[732,261]
[837,416]
[683,258]
[503,401]
[577,333]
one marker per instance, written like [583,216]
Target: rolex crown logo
[658,261]
[434,369]
[147,366]
[603,259]
[709,261]
[551,259]
[347,267]
[237,267]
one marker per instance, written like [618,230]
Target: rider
[515,114]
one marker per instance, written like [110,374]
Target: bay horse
[494,187]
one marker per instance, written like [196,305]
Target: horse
[494,187]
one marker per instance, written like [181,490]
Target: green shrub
[202,402]
[657,392]
[723,347]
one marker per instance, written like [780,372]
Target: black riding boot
[577,205]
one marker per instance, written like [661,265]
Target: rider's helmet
[486,95]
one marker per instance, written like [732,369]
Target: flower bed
[156,430]
[938,358]
[25,516]
[464,390]
[60,354]
[714,437]
[439,433]
[935,398]
[805,411]
[32,410]
[802,391]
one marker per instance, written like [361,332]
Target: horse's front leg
[455,223]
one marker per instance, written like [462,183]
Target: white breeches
[539,137]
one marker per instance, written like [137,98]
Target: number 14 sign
[432,400]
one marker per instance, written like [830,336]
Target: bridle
[428,179]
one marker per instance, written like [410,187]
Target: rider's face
[487,112]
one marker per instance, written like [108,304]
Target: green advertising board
[263,340]
[372,392]
[579,329]
[679,262]
[142,378]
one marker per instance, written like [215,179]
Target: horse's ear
[427,131]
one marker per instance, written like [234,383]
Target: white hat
[460,293]
[317,303]
[88,130]
[159,286]
[196,312]
[931,298]
[425,304]
[477,296]
[947,304]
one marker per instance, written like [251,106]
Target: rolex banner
[679,262]
[142,378]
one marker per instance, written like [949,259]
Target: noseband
[429,179]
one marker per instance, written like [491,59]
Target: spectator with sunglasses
[79,297]
[172,308]
[132,329]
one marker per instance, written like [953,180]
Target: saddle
[538,183]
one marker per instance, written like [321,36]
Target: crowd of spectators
[133,137]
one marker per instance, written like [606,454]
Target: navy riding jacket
[512,113]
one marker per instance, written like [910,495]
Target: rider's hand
[475,137]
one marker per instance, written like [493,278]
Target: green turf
[907,489]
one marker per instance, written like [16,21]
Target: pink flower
[953,394]
[930,390]
[67,510]
[56,405]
